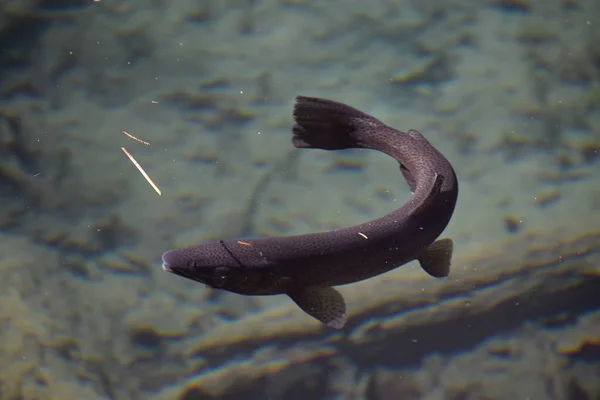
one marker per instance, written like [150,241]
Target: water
[506,90]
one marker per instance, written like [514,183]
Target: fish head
[211,264]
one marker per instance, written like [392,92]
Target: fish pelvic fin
[436,258]
[329,125]
[323,303]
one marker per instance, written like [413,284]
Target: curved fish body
[306,267]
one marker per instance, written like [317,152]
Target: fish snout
[169,259]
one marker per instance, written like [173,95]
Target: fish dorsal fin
[408,176]
[436,258]
[323,303]
[432,197]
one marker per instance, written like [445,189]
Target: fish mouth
[170,263]
[168,259]
[196,276]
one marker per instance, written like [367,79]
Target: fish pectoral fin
[323,303]
[436,258]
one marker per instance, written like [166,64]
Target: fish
[306,267]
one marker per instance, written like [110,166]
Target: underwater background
[508,91]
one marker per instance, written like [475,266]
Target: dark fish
[305,267]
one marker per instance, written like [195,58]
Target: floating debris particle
[134,138]
[144,174]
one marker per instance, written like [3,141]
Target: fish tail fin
[329,125]
[436,258]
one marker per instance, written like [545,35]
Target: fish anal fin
[323,303]
[436,258]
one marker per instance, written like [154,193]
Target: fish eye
[191,263]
